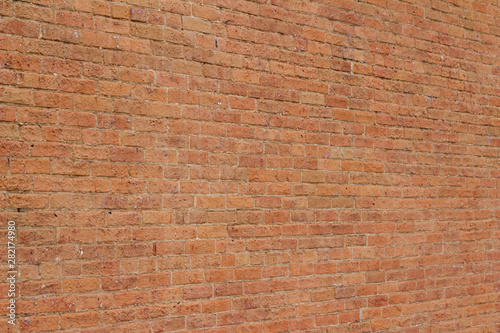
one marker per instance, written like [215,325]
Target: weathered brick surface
[234,166]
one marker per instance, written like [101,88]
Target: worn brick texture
[232,166]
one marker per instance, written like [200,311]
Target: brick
[114,89]
[146,31]
[37,201]
[126,154]
[182,97]
[78,86]
[74,19]
[194,24]
[150,93]
[57,304]
[11,43]
[175,6]
[61,200]
[54,100]
[16,96]
[112,26]
[39,323]
[20,28]
[170,324]
[198,247]
[77,320]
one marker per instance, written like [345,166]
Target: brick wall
[231,166]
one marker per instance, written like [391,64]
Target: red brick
[16,96]
[150,93]
[76,320]
[39,323]
[35,201]
[80,285]
[57,304]
[114,89]
[198,247]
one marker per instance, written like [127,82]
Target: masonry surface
[231,166]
